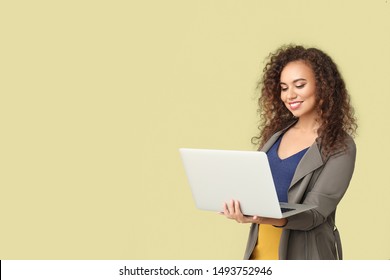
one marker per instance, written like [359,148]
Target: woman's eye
[284,89]
[300,86]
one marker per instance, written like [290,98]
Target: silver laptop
[218,176]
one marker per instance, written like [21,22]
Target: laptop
[218,176]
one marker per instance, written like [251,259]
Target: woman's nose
[291,94]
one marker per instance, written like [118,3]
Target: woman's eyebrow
[294,81]
[300,79]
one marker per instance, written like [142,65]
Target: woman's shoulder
[348,147]
[349,142]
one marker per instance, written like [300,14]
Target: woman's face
[298,89]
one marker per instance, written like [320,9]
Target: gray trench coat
[322,182]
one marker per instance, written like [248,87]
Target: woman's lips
[295,105]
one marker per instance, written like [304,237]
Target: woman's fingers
[229,210]
[237,207]
[232,210]
[225,209]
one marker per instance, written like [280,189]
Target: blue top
[283,169]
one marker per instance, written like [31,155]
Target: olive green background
[97,97]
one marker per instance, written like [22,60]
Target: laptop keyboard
[284,210]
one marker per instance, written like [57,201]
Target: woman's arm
[328,190]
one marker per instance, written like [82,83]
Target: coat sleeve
[327,191]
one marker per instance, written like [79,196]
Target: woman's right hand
[232,210]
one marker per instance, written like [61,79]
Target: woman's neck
[307,125]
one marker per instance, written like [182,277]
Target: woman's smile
[295,105]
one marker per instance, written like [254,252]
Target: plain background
[98,96]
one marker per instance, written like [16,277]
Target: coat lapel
[275,137]
[309,162]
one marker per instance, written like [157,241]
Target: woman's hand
[232,210]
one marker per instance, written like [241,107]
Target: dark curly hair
[335,112]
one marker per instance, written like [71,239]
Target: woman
[306,127]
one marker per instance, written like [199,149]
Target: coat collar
[309,162]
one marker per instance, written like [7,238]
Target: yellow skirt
[267,245]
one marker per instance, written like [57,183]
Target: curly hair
[336,115]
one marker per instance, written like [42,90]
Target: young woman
[306,129]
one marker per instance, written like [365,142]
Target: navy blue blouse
[283,169]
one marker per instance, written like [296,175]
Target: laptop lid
[218,176]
